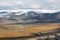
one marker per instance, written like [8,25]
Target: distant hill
[41,17]
[31,17]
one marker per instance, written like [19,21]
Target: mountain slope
[30,17]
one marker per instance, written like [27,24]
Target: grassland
[26,30]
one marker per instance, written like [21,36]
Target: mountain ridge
[32,17]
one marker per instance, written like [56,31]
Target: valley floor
[27,30]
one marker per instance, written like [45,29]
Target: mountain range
[31,17]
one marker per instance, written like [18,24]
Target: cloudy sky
[29,4]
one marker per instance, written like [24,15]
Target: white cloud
[19,2]
[22,4]
[51,0]
[48,11]
[35,6]
[5,4]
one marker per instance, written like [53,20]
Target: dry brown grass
[13,30]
